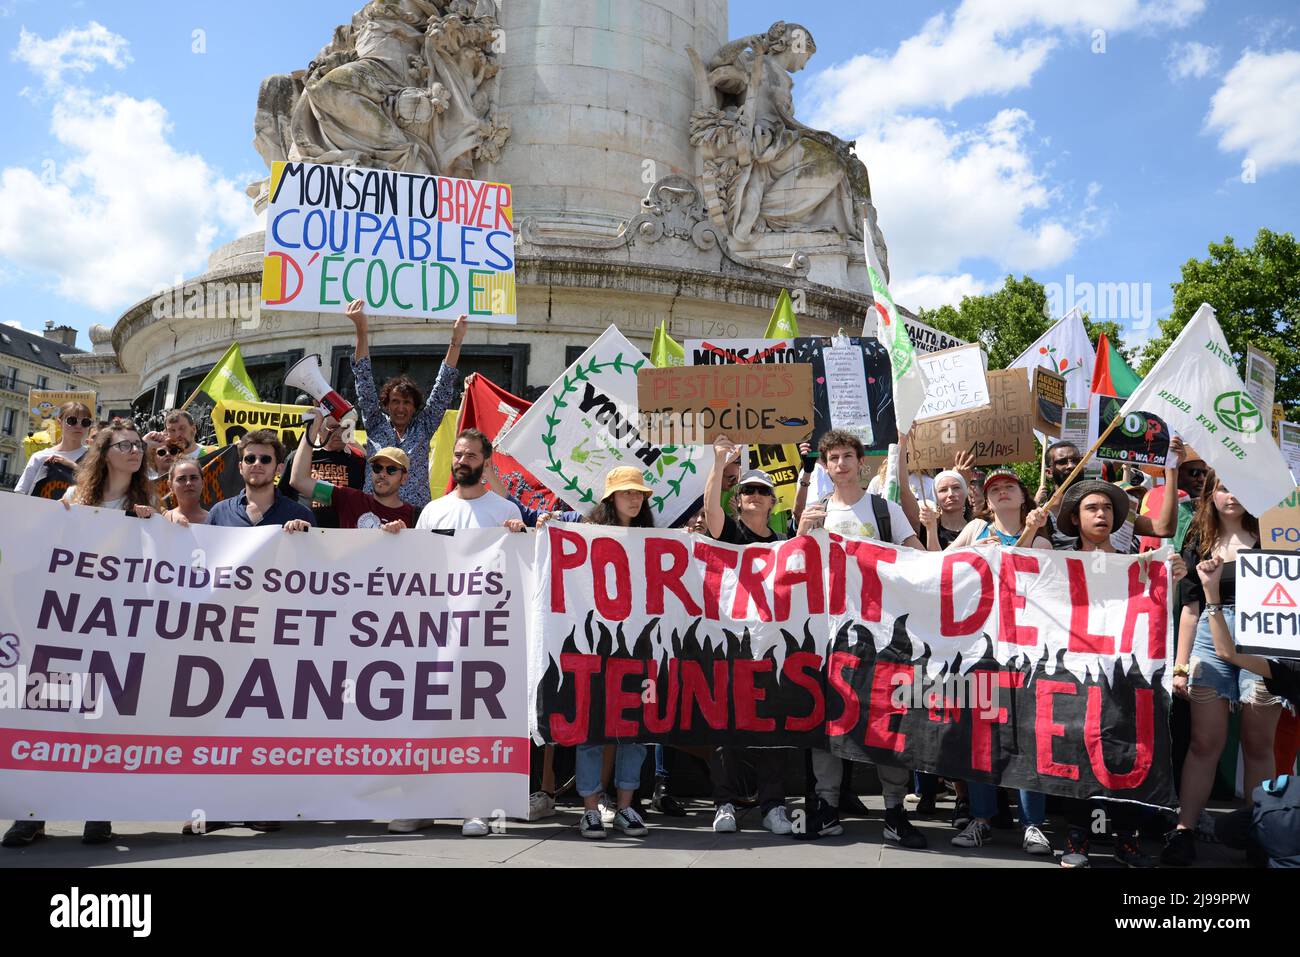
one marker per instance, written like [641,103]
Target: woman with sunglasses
[75,420]
[112,473]
[752,502]
[186,481]
[625,504]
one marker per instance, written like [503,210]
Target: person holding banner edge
[396,416]
[751,504]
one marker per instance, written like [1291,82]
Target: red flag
[492,410]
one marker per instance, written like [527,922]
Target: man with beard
[470,504]
[261,454]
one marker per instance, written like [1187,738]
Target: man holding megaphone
[397,416]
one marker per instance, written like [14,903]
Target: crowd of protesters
[330,483]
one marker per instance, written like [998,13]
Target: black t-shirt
[1285,679]
[946,536]
[1191,591]
[343,468]
[738,533]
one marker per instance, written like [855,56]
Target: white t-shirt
[489,510]
[112,504]
[860,520]
[36,470]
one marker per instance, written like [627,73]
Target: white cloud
[984,47]
[932,291]
[123,211]
[1191,61]
[1254,111]
[946,195]
[78,50]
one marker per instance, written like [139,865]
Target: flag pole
[1060,490]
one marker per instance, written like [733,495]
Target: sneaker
[975,834]
[629,822]
[822,821]
[474,827]
[592,826]
[1035,842]
[778,821]
[608,808]
[1076,849]
[23,833]
[961,816]
[409,825]
[540,805]
[900,830]
[1128,851]
[911,799]
[97,832]
[724,821]
[1180,848]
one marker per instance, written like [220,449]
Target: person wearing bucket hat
[1091,511]
[625,503]
[752,503]
[1073,514]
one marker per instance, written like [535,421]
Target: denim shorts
[1215,677]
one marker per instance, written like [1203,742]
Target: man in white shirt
[852,511]
[469,505]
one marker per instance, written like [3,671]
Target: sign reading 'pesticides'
[431,247]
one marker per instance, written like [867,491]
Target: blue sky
[1102,141]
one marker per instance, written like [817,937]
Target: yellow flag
[440,446]
[783,324]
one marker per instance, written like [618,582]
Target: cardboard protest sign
[585,424]
[880,653]
[1001,432]
[1268,604]
[1049,401]
[43,407]
[1140,439]
[336,675]
[780,462]
[693,405]
[432,247]
[956,382]
[233,420]
[1279,527]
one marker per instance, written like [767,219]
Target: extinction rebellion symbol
[1238,412]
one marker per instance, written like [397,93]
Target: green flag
[228,379]
[664,351]
[783,324]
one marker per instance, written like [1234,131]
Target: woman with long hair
[112,474]
[1007,514]
[625,504]
[1215,688]
[186,482]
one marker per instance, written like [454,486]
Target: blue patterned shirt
[415,442]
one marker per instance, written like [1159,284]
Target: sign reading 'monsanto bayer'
[431,247]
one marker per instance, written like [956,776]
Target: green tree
[1255,293]
[1006,322]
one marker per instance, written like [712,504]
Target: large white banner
[254,674]
[586,424]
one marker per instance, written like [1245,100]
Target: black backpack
[1276,816]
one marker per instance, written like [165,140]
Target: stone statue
[762,171]
[403,87]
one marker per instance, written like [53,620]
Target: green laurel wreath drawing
[569,385]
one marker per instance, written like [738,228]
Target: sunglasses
[250,459]
[379,468]
[126,446]
[755,490]
[84,423]
[166,451]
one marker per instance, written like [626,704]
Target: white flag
[1196,390]
[909,380]
[1067,351]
